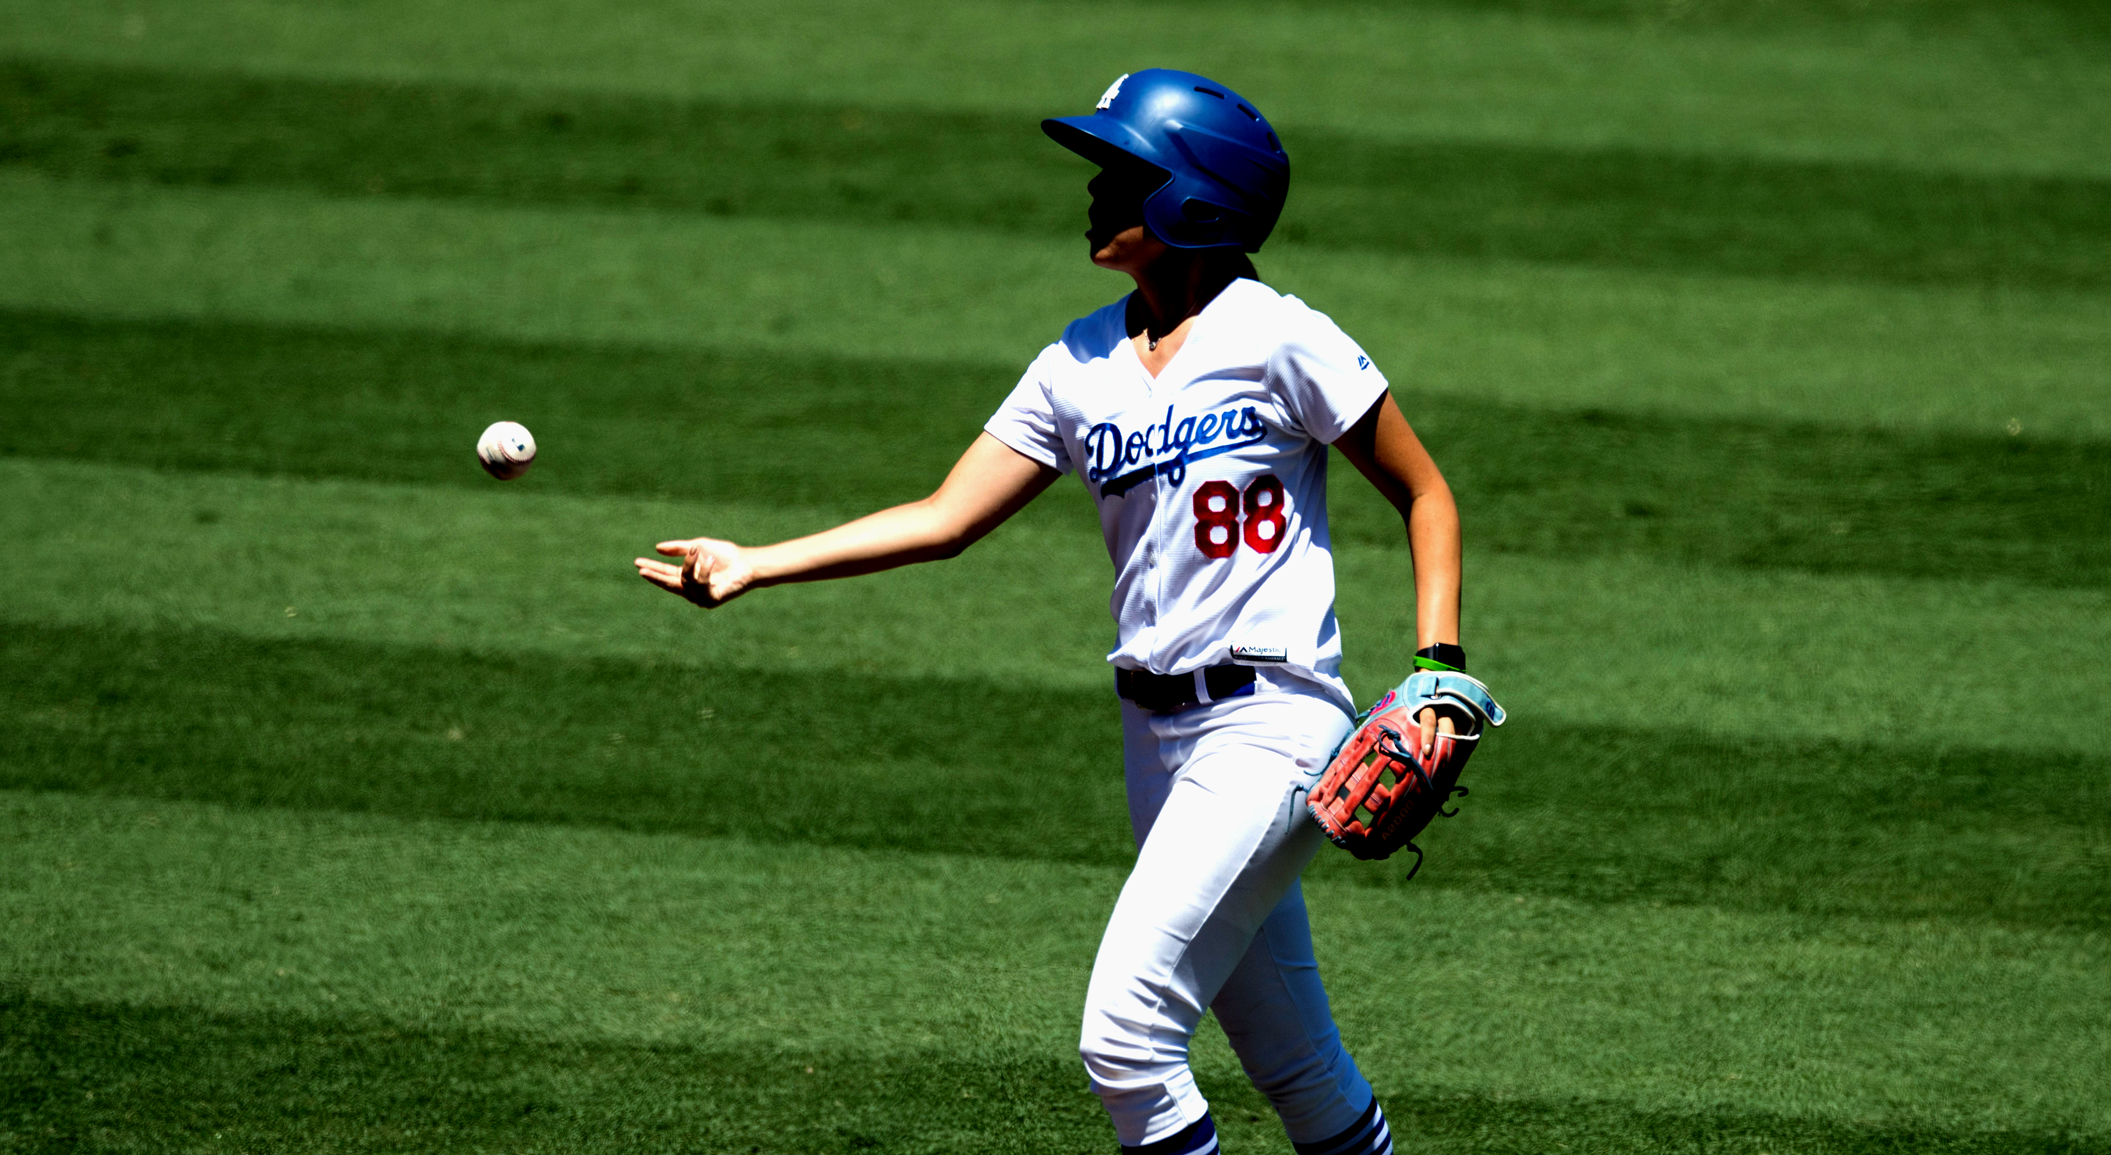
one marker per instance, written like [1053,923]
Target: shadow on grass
[852,435]
[969,767]
[98,1077]
[1614,207]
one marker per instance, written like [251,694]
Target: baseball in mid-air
[507,449]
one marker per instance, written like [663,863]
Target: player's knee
[1115,1059]
[1107,1059]
[1147,1094]
[1100,1030]
[1296,1070]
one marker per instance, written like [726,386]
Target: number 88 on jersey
[1219,528]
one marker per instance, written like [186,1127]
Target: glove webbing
[1393,748]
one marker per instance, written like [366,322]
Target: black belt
[1167,693]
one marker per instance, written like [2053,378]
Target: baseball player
[1197,411]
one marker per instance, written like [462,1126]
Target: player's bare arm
[1384,448]
[989,483]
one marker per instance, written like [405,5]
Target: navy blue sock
[1368,1135]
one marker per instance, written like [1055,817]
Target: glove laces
[1394,748]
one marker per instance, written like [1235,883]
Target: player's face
[1117,234]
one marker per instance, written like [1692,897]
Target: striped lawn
[1721,650]
[1964,93]
[1623,207]
[351,801]
[1968,358]
[288,929]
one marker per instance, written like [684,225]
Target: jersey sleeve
[1325,379]
[1027,421]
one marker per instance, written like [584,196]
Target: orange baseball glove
[1378,792]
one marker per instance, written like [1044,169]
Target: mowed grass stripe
[1619,207]
[286,1083]
[1546,336]
[509,571]
[2019,507]
[852,434]
[582,936]
[1985,99]
[790,429]
[1597,814]
[2024,19]
[295,1083]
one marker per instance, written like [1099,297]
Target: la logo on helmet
[1106,99]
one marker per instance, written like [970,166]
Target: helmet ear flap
[1196,223]
[1201,212]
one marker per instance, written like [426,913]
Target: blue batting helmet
[1226,174]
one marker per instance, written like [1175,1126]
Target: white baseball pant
[1212,917]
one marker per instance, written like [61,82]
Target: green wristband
[1445,657]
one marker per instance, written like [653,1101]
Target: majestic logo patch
[1120,461]
[1362,362]
[1260,654]
[1106,99]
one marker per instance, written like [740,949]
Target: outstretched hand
[711,572]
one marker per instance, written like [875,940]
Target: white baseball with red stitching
[506,449]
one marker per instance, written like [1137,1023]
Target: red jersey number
[1217,521]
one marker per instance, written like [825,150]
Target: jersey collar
[1203,319]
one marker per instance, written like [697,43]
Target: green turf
[391,406]
[1730,652]
[1976,97]
[2048,17]
[288,1084]
[696,425]
[1585,812]
[1622,208]
[1542,335]
[590,936]
[353,801]
[298,1084]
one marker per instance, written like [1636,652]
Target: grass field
[350,801]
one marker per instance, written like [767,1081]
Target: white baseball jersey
[1211,479]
